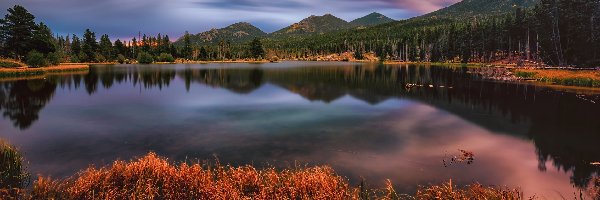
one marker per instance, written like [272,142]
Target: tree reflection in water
[563,127]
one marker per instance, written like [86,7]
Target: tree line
[555,32]
[23,39]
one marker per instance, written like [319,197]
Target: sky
[125,18]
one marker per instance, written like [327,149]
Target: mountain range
[243,31]
[317,25]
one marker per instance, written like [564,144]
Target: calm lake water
[358,118]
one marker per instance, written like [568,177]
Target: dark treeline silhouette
[557,32]
[21,38]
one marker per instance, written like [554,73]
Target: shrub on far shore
[99,58]
[53,58]
[121,59]
[36,59]
[145,58]
[74,58]
[165,57]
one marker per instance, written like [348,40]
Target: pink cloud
[423,6]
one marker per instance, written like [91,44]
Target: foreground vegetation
[152,177]
[13,174]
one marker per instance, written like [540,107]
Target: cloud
[124,18]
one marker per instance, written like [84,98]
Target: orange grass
[586,78]
[152,177]
[474,191]
[26,71]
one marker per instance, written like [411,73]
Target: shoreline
[554,77]
[25,72]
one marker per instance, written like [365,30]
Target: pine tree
[187,46]
[256,49]
[120,48]
[106,47]
[75,45]
[42,40]
[89,46]
[16,32]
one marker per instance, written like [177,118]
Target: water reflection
[21,101]
[562,126]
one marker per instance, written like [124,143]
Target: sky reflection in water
[358,119]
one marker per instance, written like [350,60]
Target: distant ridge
[238,32]
[470,8]
[372,19]
[314,24]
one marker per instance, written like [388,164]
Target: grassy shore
[584,78]
[27,71]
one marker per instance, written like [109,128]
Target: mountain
[372,19]
[470,8]
[314,24]
[238,32]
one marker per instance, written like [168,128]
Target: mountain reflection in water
[401,133]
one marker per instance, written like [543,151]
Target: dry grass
[585,78]
[475,191]
[594,190]
[151,177]
[11,63]
[25,71]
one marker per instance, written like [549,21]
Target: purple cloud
[124,18]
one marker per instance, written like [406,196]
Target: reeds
[13,176]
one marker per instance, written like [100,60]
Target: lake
[361,119]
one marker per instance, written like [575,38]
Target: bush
[145,58]
[121,59]
[36,59]
[99,58]
[83,57]
[165,57]
[53,58]
[74,58]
